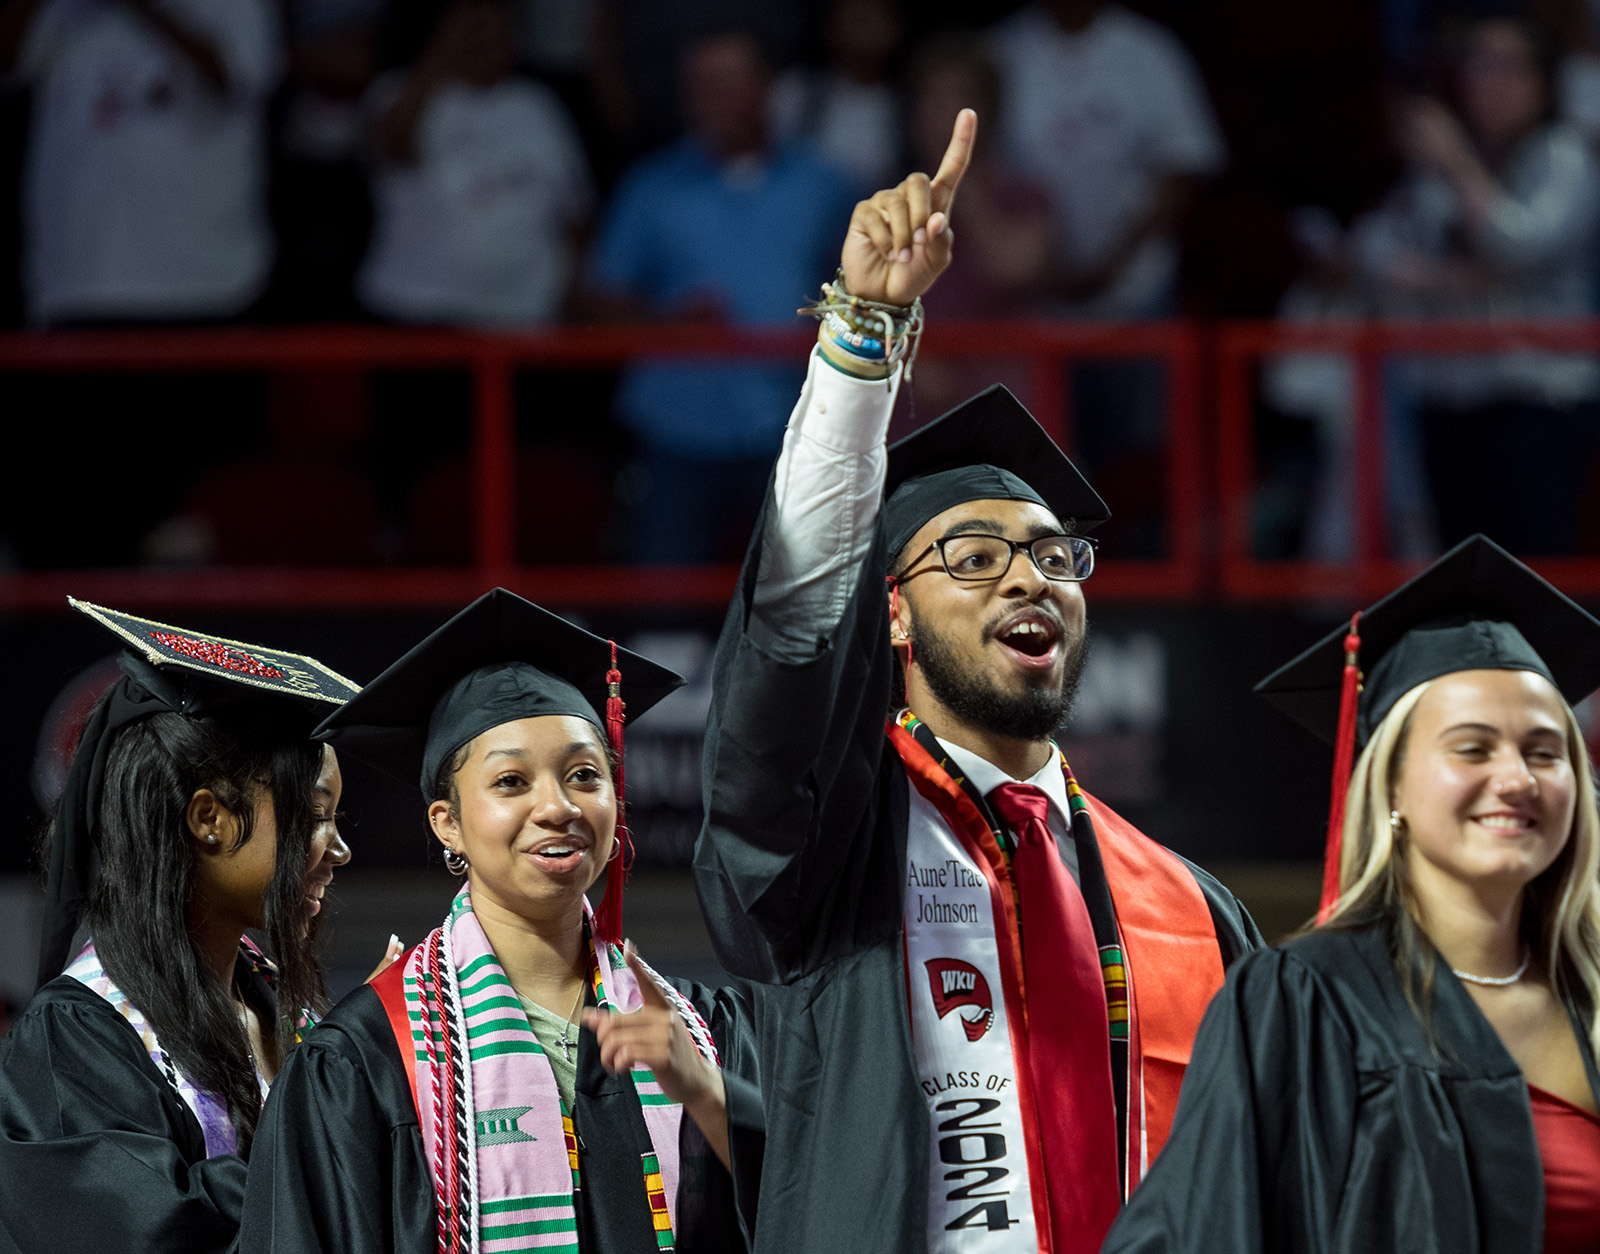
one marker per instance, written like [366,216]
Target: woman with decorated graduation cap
[197,805]
[1417,1071]
[455,1104]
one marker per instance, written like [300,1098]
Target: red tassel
[608,919]
[1344,757]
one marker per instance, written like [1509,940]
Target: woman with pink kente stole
[520,1079]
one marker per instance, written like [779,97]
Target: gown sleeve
[716,1208]
[1264,1128]
[790,859]
[97,1151]
[795,862]
[337,1163]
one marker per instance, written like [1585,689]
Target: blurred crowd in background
[518,163]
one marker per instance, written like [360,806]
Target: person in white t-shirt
[144,192]
[1107,109]
[481,185]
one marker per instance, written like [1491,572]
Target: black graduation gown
[801,868]
[339,1166]
[1317,1118]
[98,1152]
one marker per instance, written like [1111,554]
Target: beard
[1032,714]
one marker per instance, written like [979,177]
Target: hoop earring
[616,845]
[455,861]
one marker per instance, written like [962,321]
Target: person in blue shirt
[723,227]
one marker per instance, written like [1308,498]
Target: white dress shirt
[1050,779]
[827,492]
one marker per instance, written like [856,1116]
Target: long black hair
[138,910]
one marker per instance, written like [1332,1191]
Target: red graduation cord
[608,919]
[1344,754]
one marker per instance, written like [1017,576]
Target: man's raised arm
[829,480]
[803,668]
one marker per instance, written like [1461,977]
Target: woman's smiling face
[1487,788]
[536,814]
[328,849]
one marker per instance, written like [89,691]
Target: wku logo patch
[954,983]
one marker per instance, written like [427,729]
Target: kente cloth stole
[210,1110]
[501,1145]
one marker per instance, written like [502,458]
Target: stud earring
[1396,823]
[455,861]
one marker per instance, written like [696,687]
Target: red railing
[493,360]
[1211,402]
[1371,571]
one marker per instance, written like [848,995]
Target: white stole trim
[979,1194]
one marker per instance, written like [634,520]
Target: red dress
[1569,1150]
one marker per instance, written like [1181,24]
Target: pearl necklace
[1496,981]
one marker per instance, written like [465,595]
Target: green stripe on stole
[477,1029]
[528,1228]
[538,1201]
[488,980]
[648,1088]
[469,969]
[489,1003]
[494,1048]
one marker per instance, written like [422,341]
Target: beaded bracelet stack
[865,338]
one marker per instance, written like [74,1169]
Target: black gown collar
[1463,1044]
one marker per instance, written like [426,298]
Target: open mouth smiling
[1505,823]
[1031,637]
[314,891]
[559,854]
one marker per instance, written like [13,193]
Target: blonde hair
[1562,905]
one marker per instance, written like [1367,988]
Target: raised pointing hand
[655,1036]
[899,241]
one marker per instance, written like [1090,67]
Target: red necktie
[1069,1038]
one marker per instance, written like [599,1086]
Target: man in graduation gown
[977,985]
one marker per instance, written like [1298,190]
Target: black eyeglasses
[978,558]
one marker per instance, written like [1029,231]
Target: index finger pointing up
[648,990]
[956,159]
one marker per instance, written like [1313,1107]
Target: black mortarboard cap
[1476,608]
[502,658]
[196,674]
[166,670]
[987,448]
